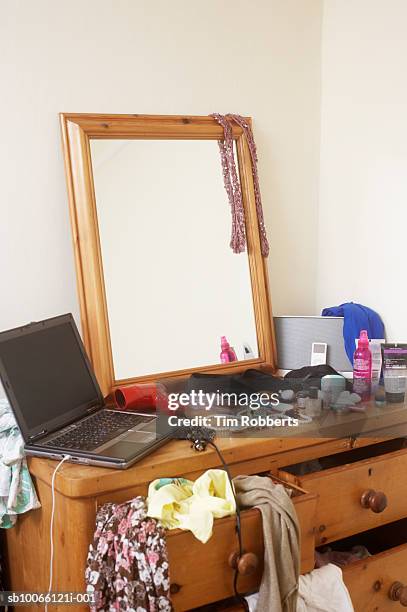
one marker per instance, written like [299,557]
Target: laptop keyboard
[97,429]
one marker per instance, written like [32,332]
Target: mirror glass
[173,285]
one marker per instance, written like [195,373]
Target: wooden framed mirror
[158,284]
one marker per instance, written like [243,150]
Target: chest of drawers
[203,573]
[328,502]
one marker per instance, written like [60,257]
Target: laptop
[58,404]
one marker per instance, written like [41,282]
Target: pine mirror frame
[77,131]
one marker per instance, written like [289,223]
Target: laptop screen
[46,374]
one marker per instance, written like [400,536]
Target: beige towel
[279,585]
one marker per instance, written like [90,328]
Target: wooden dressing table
[328,504]
[359,486]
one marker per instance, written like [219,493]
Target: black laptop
[57,401]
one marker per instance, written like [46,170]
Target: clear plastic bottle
[313,403]
[362,367]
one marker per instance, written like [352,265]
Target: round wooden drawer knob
[246,564]
[375,500]
[398,592]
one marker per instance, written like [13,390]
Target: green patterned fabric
[17,492]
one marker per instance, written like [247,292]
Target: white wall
[123,56]
[363,192]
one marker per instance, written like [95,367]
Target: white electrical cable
[51,531]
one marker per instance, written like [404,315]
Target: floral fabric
[127,564]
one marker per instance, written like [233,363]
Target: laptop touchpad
[122,449]
[140,436]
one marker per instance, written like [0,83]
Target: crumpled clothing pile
[182,504]
[17,492]
[322,590]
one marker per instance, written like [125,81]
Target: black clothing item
[255,381]
[251,381]
[310,376]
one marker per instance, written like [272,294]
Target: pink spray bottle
[227,352]
[362,367]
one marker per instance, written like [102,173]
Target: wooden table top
[330,433]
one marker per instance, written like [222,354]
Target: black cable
[238,595]
[200,437]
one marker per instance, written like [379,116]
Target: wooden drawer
[200,573]
[370,580]
[251,466]
[344,479]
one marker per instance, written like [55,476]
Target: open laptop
[58,404]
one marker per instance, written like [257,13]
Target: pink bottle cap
[363,339]
[224,343]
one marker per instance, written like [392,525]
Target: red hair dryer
[140,396]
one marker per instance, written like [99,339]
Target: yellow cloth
[183,504]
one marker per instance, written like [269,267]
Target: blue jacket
[356,317]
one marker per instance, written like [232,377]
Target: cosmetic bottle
[313,403]
[380,397]
[227,352]
[395,371]
[362,367]
[301,399]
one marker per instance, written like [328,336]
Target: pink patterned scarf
[232,183]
